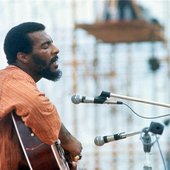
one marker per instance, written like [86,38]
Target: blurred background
[119,46]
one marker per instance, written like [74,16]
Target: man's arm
[35,109]
[69,143]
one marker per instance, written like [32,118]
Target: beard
[44,69]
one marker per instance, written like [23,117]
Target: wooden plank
[124,31]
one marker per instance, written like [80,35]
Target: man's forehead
[40,36]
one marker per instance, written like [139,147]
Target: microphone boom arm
[137,100]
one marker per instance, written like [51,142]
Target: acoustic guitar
[38,155]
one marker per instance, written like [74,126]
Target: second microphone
[77,99]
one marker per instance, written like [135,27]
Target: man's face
[44,56]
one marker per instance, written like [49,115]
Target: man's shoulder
[13,73]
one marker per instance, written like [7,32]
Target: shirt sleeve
[35,109]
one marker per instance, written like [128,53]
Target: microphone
[101,140]
[77,99]
[155,128]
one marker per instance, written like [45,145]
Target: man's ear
[23,57]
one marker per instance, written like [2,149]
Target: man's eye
[45,46]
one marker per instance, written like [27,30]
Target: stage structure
[114,33]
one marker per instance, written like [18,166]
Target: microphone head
[99,141]
[76,99]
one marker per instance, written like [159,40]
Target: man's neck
[34,76]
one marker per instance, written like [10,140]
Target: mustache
[54,59]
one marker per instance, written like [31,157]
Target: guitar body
[39,156]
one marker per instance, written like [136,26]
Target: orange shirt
[18,92]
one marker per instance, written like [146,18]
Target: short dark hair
[17,39]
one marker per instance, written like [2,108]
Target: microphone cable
[145,117]
[161,154]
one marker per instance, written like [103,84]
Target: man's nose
[55,50]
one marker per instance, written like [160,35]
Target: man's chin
[53,76]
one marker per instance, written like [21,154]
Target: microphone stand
[147,144]
[156,129]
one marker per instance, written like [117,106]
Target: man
[31,55]
[127,9]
